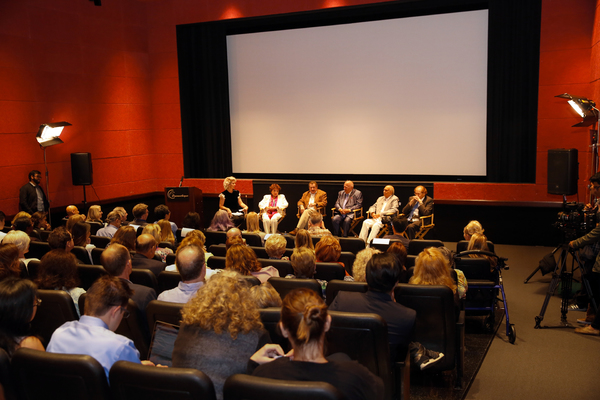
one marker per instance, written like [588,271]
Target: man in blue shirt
[93,335]
[192,267]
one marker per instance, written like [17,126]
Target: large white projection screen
[404,96]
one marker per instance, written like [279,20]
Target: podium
[182,200]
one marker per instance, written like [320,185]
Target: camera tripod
[564,274]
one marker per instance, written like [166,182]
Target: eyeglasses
[37,302]
[125,312]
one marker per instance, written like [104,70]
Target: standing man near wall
[31,196]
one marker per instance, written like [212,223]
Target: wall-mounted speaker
[563,171]
[81,169]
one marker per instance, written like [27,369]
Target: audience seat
[57,308]
[89,273]
[82,254]
[215,237]
[171,259]
[96,254]
[168,280]
[336,285]
[284,286]
[283,266]
[99,241]
[144,277]
[6,381]
[94,227]
[464,244]
[410,261]
[216,262]
[43,375]
[167,245]
[353,245]
[270,317]
[37,249]
[437,326]
[329,271]
[33,269]
[247,387]
[163,311]
[131,381]
[347,257]
[416,246]
[44,235]
[252,239]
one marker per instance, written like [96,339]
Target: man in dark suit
[419,205]
[116,260]
[348,199]
[399,225]
[382,274]
[145,247]
[31,196]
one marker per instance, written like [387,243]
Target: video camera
[574,222]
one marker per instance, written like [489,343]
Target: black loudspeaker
[563,171]
[81,169]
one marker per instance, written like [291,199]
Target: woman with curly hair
[9,261]
[18,305]
[305,321]
[272,208]
[242,259]
[431,268]
[472,228]
[303,239]
[58,271]
[220,329]
[220,222]
[328,249]
[360,263]
[125,236]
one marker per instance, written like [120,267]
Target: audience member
[472,228]
[113,223]
[383,273]
[192,268]
[155,231]
[81,237]
[24,224]
[73,220]
[145,248]
[71,210]
[478,241]
[220,329]
[398,249]
[348,200]
[123,213]
[192,220]
[360,263]
[253,227]
[18,305]
[316,226]
[162,212]
[265,295]
[328,249]
[9,261]
[303,239]
[242,259]
[93,334]
[20,214]
[399,225]
[305,321]
[220,222]
[95,214]
[58,271]
[2,222]
[39,220]
[462,285]
[125,236]
[419,205]
[380,213]
[166,234]
[61,238]
[231,202]
[234,240]
[309,204]
[304,263]
[272,208]
[21,240]
[140,214]
[275,247]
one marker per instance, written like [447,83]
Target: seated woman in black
[231,201]
[304,321]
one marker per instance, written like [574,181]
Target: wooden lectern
[182,200]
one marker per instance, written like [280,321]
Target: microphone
[181,182]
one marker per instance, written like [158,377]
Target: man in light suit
[309,204]
[348,199]
[385,207]
[419,205]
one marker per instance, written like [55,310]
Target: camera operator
[591,321]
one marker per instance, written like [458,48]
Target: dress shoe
[293,233]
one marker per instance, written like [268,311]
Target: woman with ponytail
[305,321]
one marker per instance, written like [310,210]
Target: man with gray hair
[114,223]
[348,200]
[192,268]
[380,213]
[316,227]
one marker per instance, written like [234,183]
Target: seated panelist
[309,204]
[419,205]
[385,207]
[231,201]
[348,199]
[273,207]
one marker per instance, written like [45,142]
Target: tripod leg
[532,274]
[560,266]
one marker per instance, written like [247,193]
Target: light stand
[48,135]
[586,108]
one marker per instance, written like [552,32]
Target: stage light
[585,107]
[48,134]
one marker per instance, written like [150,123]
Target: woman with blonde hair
[303,239]
[220,329]
[472,228]
[95,214]
[20,214]
[242,259]
[155,231]
[273,208]
[305,321]
[431,268]
[265,295]
[166,234]
[73,219]
[479,242]
[252,226]
[360,263]
[231,202]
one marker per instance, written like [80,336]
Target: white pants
[375,225]
[270,225]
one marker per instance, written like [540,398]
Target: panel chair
[426,225]
[418,245]
[280,211]
[283,286]
[57,307]
[437,326]
[44,375]
[358,217]
[131,381]
[386,229]
[247,387]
